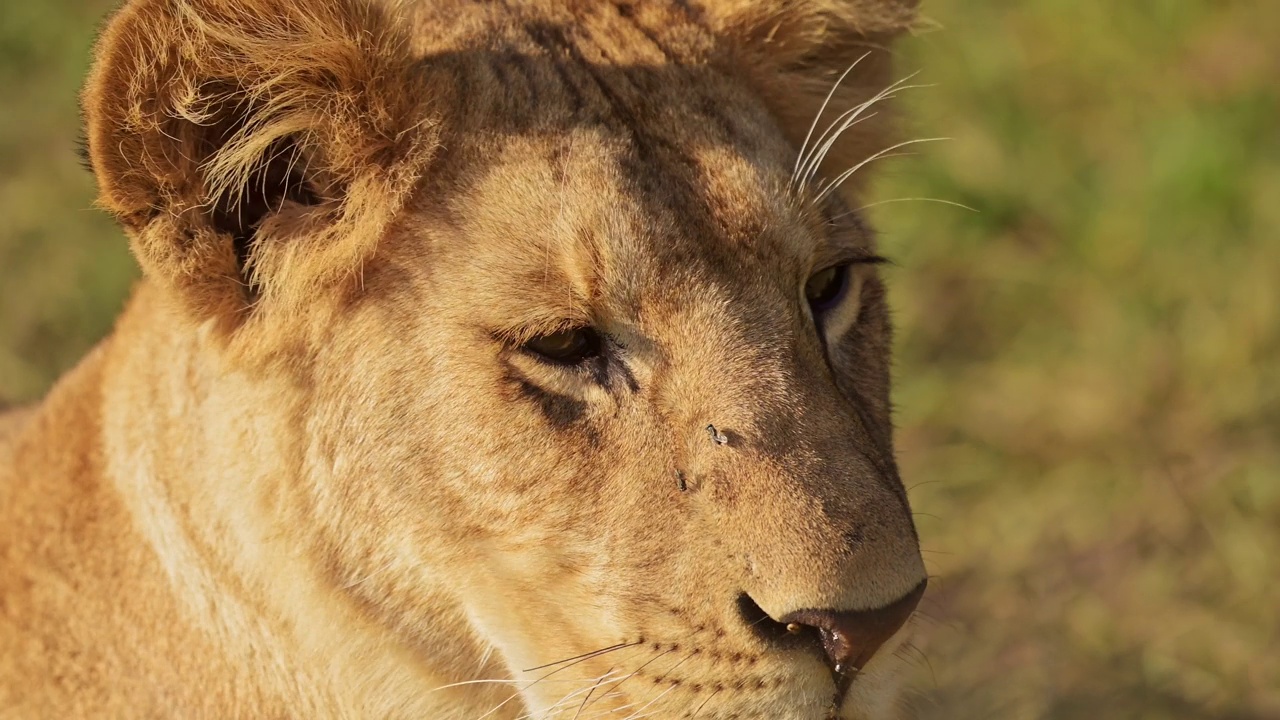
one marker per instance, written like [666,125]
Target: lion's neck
[211,466]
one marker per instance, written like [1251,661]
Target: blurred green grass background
[1088,373]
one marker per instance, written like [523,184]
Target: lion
[522,359]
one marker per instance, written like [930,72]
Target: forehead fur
[637,127]
[665,74]
[196,108]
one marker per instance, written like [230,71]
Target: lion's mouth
[802,638]
[844,641]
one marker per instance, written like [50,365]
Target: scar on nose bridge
[717,437]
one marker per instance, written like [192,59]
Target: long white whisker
[850,118]
[908,199]
[494,681]
[591,690]
[579,659]
[854,110]
[633,673]
[820,154]
[664,675]
[830,93]
[637,714]
[816,162]
[886,93]
[585,655]
[839,180]
[552,710]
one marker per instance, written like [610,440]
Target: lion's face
[528,387]
[612,383]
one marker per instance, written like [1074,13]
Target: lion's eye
[566,347]
[826,288]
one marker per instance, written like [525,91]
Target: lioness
[519,359]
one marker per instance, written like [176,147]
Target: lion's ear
[253,146]
[795,52]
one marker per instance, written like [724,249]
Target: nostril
[851,638]
[778,634]
[757,620]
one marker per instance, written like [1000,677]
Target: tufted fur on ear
[797,50]
[254,149]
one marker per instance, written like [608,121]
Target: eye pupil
[568,347]
[826,287]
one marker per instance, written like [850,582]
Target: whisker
[612,711]
[633,673]
[572,696]
[839,180]
[488,681]
[659,679]
[593,653]
[577,714]
[462,683]
[589,690]
[673,667]
[915,199]
[850,118]
[499,706]
[927,617]
[637,714]
[570,663]
[921,654]
[704,703]
[823,109]
[885,154]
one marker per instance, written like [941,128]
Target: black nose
[850,638]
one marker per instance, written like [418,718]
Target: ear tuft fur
[263,138]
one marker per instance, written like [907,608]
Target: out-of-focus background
[1088,375]
[1089,365]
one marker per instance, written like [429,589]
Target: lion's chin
[875,694]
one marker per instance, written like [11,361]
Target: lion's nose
[850,638]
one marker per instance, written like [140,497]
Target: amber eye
[566,347]
[826,288]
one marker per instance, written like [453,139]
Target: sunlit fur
[313,474]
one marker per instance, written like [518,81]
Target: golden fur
[315,471]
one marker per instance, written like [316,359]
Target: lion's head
[566,317]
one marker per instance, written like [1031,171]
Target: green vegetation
[64,267]
[1088,367]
